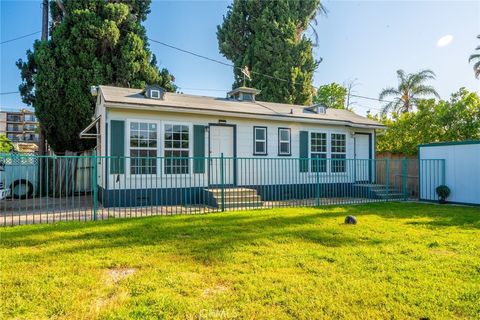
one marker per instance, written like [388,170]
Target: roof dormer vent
[155,92]
[317,108]
[243,94]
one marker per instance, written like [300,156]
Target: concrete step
[237,198]
[391,195]
[217,192]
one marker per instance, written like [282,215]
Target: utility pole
[42,145]
[45,20]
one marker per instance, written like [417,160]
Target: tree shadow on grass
[202,238]
[215,236]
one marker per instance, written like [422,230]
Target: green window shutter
[199,149]
[303,151]
[117,147]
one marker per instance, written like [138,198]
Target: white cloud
[445,40]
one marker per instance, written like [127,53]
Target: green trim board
[303,152]
[199,149]
[117,147]
[449,143]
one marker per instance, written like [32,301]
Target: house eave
[278,117]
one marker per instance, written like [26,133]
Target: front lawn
[402,260]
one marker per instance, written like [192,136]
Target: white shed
[460,172]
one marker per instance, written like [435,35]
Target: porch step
[382,191]
[229,192]
[234,198]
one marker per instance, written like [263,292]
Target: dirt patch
[214,291]
[442,252]
[117,274]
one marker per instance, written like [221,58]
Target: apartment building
[21,128]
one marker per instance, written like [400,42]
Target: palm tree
[410,90]
[476,57]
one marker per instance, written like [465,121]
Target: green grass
[402,260]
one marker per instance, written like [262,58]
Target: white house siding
[462,171]
[250,170]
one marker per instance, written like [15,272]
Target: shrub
[443,192]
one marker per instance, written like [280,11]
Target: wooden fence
[399,172]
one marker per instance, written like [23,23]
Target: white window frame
[337,152]
[326,153]
[280,141]
[190,146]
[155,91]
[255,140]
[160,147]
[129,148]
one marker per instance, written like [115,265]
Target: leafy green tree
[92,43]
[457,119]
[6,145]
[411,88]
[331,95]
[475,57]
[268,38]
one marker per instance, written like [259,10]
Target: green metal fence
[48,189]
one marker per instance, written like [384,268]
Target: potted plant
[443,192]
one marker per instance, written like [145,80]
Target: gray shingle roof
[185,102]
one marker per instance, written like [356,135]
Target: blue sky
[363,40]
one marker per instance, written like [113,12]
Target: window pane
[338,165]
[338,143]
[284,147]
[317,164]
[176,148]
[133,142]
[259,147]
[259,133]
[284,135]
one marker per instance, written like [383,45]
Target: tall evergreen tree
[92,43]
[268,37]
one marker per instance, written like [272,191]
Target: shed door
[221,141]
[362,157]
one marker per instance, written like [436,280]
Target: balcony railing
[12,118]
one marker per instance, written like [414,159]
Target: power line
[192,53]
[18,38]
[11,92]
[254,72]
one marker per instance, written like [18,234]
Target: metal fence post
[405,178]
[95,185]
[318,182]
[222,179]
[386,178]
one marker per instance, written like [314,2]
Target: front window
[177,143]
[284,141]
[318,151]
[339,151]
[260,140]
[143,148]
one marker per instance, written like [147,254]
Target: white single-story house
[263,144]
